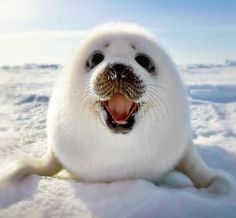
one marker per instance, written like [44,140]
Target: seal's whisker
[161,88]
[155,100]
[97,116]
[154,105]
[159,97]
[150,106]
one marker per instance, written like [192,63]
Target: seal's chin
[120,113]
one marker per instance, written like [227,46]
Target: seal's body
[118,112]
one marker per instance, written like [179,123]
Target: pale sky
[47,31]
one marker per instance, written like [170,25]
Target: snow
[24,96]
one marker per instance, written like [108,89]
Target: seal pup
[119,111]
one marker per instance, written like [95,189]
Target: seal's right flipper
[48,165]
[215,181]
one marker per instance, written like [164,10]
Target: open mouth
[120,113]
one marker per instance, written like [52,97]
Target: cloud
[38,46]
[57,34]
[14,11]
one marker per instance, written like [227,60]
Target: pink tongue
[119,108]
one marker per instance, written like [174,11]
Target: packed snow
[24,97]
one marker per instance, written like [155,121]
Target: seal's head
[119,75]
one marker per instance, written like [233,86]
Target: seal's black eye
[94,59]
[145,62]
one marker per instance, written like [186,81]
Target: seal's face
[121,72]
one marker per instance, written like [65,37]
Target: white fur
[161,137]
[87,147]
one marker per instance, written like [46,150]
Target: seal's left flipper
[215,181]
[48,165]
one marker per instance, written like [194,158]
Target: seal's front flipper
[48,165]
[215,181]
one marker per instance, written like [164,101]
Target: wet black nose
[121,70]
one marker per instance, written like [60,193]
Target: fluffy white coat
[160,140]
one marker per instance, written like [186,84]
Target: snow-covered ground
[24,96]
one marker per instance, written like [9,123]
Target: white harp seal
[118,112]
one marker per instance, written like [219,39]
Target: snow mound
[33,99]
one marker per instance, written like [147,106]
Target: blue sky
[192,31]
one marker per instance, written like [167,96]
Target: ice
[24,95]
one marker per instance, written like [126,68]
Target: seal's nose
[120,71]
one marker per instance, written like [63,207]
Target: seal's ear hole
[145,62]
[94,59]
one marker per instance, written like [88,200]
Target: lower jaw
[121,129]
